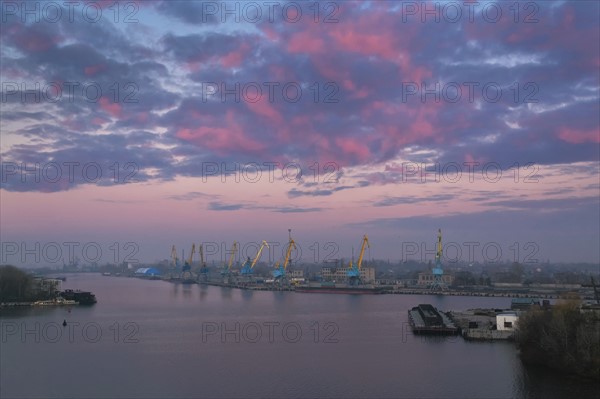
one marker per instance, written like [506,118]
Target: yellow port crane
[249,265]
[280,271]
[188,263]
[257,257]
[362,250]
[203,267]
[174,257]
[354,270]
[201,252]
[227,269]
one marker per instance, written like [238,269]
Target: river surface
[154,339]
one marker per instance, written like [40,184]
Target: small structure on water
[425,319]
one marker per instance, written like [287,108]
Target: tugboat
[82,297]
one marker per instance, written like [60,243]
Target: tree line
[16,285]
[562,338]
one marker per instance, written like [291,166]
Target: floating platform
[425,319]
[339,289]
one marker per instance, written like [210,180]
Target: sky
[131,126]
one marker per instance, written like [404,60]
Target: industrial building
[427,278]
[340,274]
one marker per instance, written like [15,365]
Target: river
[154,339]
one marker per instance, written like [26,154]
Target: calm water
[156,339]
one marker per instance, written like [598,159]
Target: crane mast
[438,282]
[233,251]
[353,272]
[174,256]
[280,270]
[201,252]
[190,259]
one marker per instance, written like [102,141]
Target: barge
[425,319]
[338,289]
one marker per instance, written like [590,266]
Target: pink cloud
[223,140]
[263,108]
[354,148]
[306,42]
[576,136]
[110,107]
[98,121]
[235,58]
[94,69]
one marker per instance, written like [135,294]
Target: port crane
[227,268]
[174,257]
[438,282]
[187,267]
[203,267]
[280,270]
[248,267]
[354,270]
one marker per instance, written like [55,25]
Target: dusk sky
[199,115]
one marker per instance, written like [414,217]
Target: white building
[506,321]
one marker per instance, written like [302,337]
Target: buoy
[64,323]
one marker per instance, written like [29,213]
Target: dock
[481,325]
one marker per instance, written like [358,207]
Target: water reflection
[226,293]
[247,294]
[187,290]
[203,291]
[540,382]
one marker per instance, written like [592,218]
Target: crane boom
[174,256]
[257,257]
[201,252]
[233,250]
[362,250]
[291,244]
[190,259]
